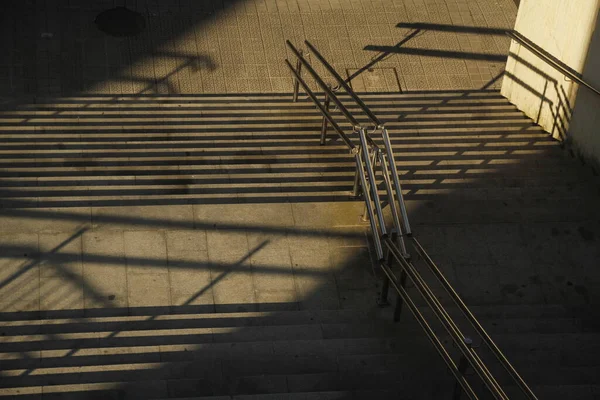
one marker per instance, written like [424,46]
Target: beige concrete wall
[585,124]
[564,28]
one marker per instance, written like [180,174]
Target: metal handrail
[513,34]
[371,174]
[325,113]
[327,117]
[328,91]
[471,318]
[347,88]
[449,325]
[550,59]
[464,384]
[324,86]
[366,177]
[387,144]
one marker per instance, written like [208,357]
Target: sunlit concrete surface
[54,47]
[231,257]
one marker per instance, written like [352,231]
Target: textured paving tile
[19,273]
[239,46]
[104,270]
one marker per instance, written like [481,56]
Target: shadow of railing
[181,349]
[80,58]
[181,355]
[552,96]
[147,150]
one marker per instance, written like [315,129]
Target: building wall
[585,124]
[565,29]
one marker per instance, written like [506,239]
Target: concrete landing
[232,257]
[238,46]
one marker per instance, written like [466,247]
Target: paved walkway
[309,255]
[189,46]
[209,257]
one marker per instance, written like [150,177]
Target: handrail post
[392,203]
[396,180]
[356,187]
[324,123]
[316,102]
[373,158]
[368,159]
[382,300]
[358,155]
[297,80]
[463,364]
[399,301]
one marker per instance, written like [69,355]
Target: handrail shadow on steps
[514,35]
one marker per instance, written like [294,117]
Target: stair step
[192,112]
[560,392]
[329,395]
[215,384]
[126,338]
[207,320]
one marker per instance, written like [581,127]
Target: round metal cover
[120,21]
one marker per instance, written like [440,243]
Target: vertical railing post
[463,364]
[392,203]
[324,123]
[399,301]
[359,156]
[382,301]
[356,187]
[297,81]
[373,158]
[365,214]
[396,180]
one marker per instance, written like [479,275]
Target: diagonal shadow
[75,20]
[464,55]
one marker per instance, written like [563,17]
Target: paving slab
[240,46]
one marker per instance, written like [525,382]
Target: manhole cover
[120,21]
[374,80]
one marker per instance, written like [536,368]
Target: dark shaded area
[478,30]
[465,55]
[78,56]
[186,351]
[120,22]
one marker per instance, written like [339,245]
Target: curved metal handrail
[344,84]
[329,92]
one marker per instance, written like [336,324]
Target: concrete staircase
[104,151]
[338,354]
[464,158]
